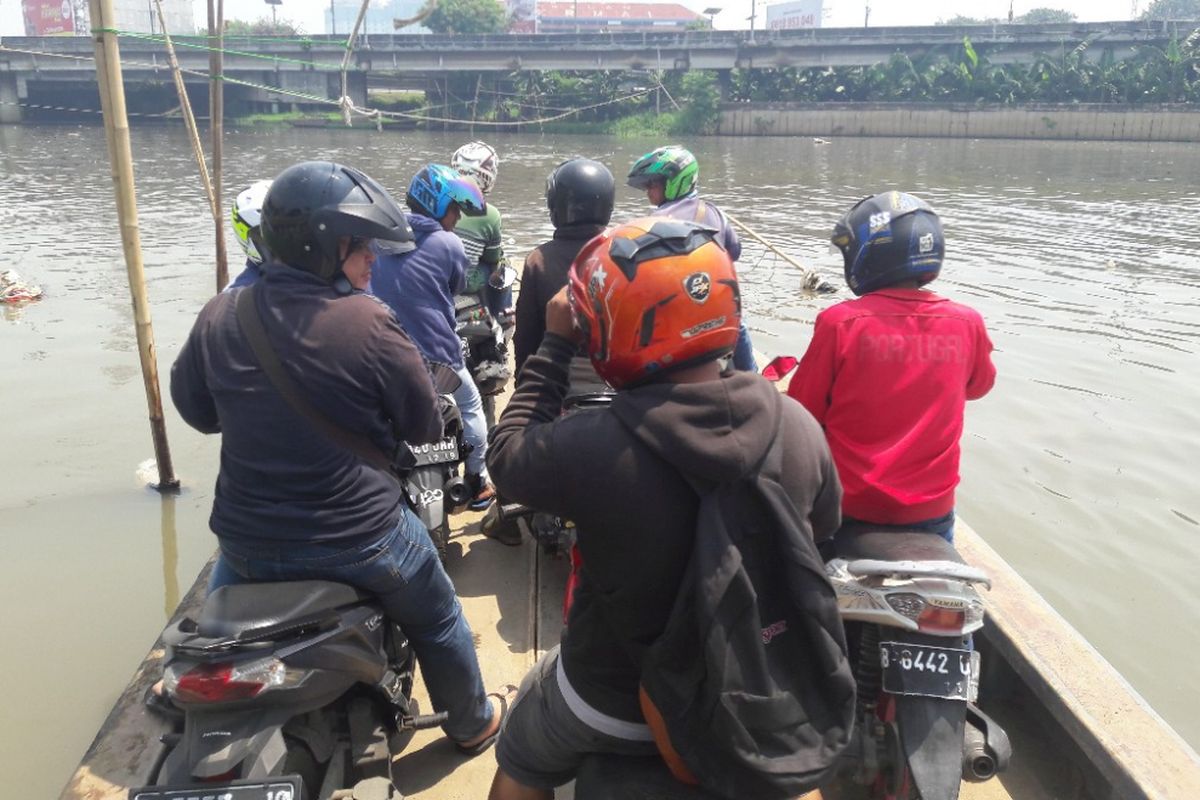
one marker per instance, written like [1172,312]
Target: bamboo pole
[216,115]
[116,132]
[189,118]
[811,280]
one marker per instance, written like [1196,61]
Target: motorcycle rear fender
[931,735]
[214,744]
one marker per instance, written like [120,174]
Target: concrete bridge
[33,68]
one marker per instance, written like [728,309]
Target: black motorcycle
[485,341]
[288,690]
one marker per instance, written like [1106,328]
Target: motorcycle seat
[246,611]
[892,545]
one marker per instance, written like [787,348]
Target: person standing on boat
[669,176]
[247,217]
[580,194]
[656,304]
[481,235]
[888,375]
[420,285]
[291,503]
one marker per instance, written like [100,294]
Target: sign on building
[48,17]
[796,14]
[522,15]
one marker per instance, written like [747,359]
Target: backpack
[748,687]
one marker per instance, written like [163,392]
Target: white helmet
[247,215]
[479,161]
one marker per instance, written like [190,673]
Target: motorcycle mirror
[779,368]
[503,278]
[445,379]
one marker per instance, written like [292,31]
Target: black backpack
[750,676]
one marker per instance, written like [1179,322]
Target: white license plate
[443,452]
[285,787]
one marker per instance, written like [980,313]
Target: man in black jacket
[291,503]
[580,195]
[656,303]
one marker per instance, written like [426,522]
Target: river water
[1082,257]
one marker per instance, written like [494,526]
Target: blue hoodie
[419,286]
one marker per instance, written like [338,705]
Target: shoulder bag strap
[256,335]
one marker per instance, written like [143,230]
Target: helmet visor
[466,193]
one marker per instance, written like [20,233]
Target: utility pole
[332,18]
[867,15]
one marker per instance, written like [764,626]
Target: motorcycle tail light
[907,605]
[228,681]
[942,620]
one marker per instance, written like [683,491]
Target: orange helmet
[653,295]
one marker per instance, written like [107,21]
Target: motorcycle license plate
[443,452]
[920,669]
[285,787]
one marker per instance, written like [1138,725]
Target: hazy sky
[838,13]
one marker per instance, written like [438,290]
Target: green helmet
[674,165]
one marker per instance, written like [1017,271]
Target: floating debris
[14,290]
[819,140]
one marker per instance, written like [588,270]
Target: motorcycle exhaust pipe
[456,492]
[979,764]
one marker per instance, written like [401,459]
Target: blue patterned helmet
[435,187]
[887,239]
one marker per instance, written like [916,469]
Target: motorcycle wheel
[894,782]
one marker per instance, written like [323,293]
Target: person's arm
[983,372]
[826,514]
[521,452]
[493,245]
[530,313]
[406,388]
[813,381]
[189,385]
[456,258]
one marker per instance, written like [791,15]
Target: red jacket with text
[888,376]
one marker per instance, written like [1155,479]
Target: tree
[262,26]
[1173,9]
[467,16]
[1045,16]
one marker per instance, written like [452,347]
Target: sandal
[482,746]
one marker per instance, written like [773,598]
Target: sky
[838,13]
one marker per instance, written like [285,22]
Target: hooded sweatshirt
[618,473]
[420,285]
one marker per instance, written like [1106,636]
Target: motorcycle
[296,689]
[485,338]
[910,606]
[429,472]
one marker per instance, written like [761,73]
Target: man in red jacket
[888,374]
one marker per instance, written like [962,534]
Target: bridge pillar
[10,112]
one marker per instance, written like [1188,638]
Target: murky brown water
[1082,257]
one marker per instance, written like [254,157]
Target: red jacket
[888,376]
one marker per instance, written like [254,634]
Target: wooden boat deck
[1083,735]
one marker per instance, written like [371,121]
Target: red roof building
[569,17]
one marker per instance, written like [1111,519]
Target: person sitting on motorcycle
[291,503]
[656,304]
[481,236]
[247,215]
[419,286]
[579,194]
[888,374]
[669,177]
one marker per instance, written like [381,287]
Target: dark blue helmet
[435,187]
[887,239]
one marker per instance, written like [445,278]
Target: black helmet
[578,191]
[889,238]
[312,205]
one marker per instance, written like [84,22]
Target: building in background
[796,14]
[522,16]
[380,17]
[569,17]
[69,17]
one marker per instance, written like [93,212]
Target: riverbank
[1084,121]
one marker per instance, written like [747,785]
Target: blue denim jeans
[942,526]
[743,352]
[401,569]
[475,429]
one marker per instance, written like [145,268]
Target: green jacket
[481,237]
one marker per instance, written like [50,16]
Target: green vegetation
[1173,9]
[1036,16]
[466,16]
[1154,75]
[263,26]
